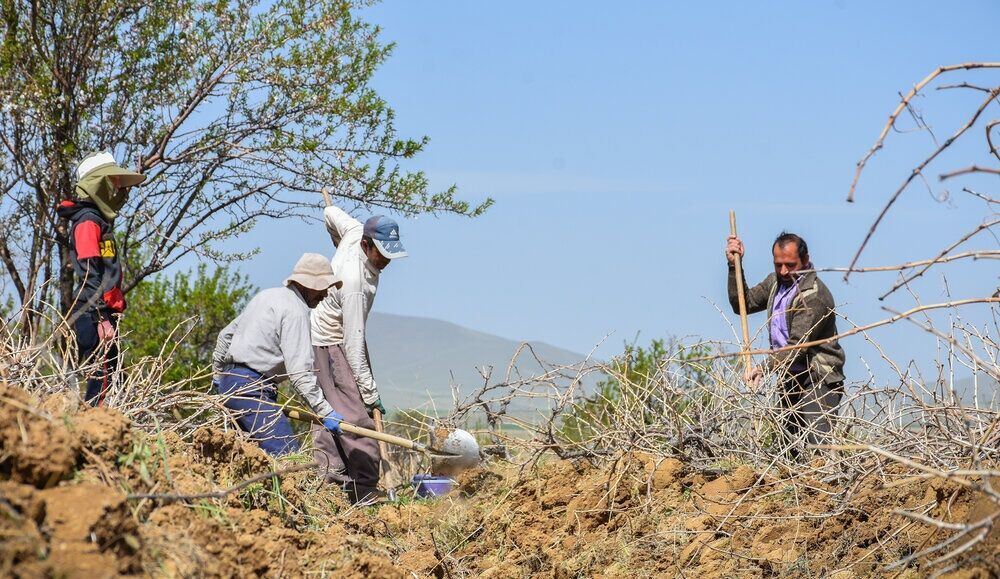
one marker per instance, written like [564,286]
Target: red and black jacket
[94,255]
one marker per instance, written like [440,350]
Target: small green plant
[147,457]
[277,496]
[142,459]
[630,381]
[725,465]
[211,510]
[451,535]
[254,496]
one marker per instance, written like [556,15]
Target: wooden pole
[389,475]
[741,293]
[383,450]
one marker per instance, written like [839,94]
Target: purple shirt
[779,322]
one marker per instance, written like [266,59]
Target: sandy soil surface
[65,510]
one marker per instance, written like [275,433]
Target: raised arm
[756,296]
[340,224]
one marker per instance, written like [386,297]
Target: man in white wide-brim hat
[268,343]
[101,189]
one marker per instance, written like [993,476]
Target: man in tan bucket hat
[100,192]
[270,342]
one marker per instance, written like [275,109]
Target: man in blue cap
[341,349]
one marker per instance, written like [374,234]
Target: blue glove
[332,422]
[374,405]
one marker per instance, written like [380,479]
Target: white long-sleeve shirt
[271,336]
[342,316]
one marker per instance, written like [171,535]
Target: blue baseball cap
[385,233]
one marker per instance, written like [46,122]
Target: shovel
[457,452]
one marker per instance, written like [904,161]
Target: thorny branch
[904,102]
[221,494]
[990,99]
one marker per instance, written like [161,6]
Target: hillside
[416,360]
[984,388]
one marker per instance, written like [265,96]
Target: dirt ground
[65,511]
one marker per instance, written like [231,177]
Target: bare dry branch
[902,106]
[991,98]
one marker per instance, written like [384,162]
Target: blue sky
[615,137]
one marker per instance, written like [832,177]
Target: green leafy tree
[630,376]
[182,315]
[237,110]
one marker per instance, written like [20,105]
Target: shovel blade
[462,450]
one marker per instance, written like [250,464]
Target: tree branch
[917,171]
[902,106]
[167,497]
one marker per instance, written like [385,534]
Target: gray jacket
[271,336]
[810,316]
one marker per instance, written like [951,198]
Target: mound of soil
[105,433]
[34,448]
[643,515]
[68,504]
[75,502]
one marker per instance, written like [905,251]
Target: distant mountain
[416,360]
[987,389]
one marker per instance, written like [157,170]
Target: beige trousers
[344,459]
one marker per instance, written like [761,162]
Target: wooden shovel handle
[741,293]
[348,427]
[326,197]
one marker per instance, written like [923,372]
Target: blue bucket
[428,485]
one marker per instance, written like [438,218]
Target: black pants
[808,410]
[104,356]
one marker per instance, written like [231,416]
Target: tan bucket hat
[314,272]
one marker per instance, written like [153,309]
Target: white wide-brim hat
[103,164]
[314,272]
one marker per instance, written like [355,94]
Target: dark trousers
[254,400]
[104,356]
[808,410]
[344,459]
